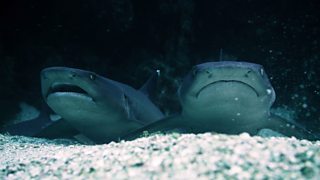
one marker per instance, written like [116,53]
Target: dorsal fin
[150,86]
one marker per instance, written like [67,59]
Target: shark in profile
[225,97]
[96,107]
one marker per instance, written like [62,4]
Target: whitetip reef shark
[93,106]
[225,97]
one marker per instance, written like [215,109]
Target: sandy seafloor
[173,156]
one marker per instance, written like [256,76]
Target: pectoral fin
[289,129]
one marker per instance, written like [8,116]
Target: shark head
[77,94]
[226,90]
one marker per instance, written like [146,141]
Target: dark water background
[126,39]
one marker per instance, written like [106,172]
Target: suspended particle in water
[304,105]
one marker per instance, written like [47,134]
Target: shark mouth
[65,88]
[227,81]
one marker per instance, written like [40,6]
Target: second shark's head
[78,94]
[226,89]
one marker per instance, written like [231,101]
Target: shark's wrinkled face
[226,89]
[74,93]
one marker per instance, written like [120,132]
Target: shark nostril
[196,71]
[247,74]
[209,73]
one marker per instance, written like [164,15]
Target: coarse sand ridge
[172,156]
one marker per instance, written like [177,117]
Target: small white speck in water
[238,114]
[236,98]
[304,105]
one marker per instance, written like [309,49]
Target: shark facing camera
[233,91]
[228,97]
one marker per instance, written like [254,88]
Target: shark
[228,97]
[91,106]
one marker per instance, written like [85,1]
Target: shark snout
[202,72]
[56,73]
[66,81]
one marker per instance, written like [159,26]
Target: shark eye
[92,76]
[261,71]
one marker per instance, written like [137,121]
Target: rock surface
[174,156]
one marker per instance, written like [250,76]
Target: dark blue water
[126,39]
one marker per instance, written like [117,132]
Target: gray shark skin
[99,108]
[226,97]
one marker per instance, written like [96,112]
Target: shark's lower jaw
[70,95]
[215,85]
[71,105]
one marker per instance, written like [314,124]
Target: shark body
[226,97]
[91,105]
